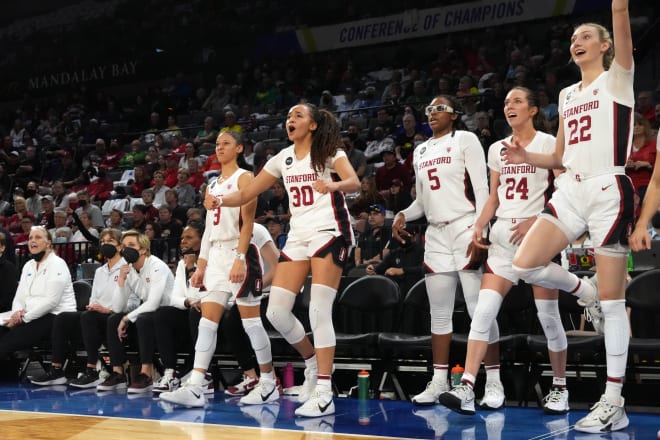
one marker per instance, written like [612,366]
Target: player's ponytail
[325,139]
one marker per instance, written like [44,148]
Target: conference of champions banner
[418,23]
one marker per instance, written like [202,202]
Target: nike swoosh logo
[323,408]
[264,398]
[603,188]
[195,394]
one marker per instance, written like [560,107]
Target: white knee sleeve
[617,336]
[320,315]
[207,338]
[258,339]
[531,275]
[441,290]
[280,305]
[548,313]
[485,315]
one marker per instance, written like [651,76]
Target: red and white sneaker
[242,388]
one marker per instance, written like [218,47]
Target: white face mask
[269,156]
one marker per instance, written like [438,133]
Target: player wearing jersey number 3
[451,189]
[595,195]
[319,239]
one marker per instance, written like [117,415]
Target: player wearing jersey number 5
[595,195]
[451,187]
[319,238]
[517,194]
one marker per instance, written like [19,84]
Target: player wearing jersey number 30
[595,195]
[319,237]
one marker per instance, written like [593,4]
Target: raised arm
[623,45]
[259,184]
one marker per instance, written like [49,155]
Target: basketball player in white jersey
[319,239]
[228,268]
[595,195]
[518,194]
[452,187]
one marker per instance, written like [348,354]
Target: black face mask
[108,250]
[189,251]
[130,255]
[352,136]
[38,256]
[82,203]
[30,192]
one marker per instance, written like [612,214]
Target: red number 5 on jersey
[433,179]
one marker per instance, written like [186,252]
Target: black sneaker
[115,381]
[54,376]
[141,384]
[88,379]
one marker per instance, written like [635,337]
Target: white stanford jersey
[524,189]
[598,123]
[311,210]
[223,222]
[450,177]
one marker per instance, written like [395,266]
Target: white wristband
[239,256]
[219,199]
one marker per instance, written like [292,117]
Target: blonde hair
[142,239]
[605,36]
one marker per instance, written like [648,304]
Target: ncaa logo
[289,160]
[423,150]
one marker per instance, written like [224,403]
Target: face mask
[352,136]
[269,156]
[108,250]
[38,256]
[30,192]
[82,203]
[379,136]
[417,143]
[130,255]
[60,240]
[189,251]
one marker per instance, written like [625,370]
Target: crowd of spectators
[87,158]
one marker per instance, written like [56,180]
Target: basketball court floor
[59,412]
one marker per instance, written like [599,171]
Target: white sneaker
[188,395]
[592,311]
[167,382]
[207,383]
[265,415]
[308,386]
[436,419]
[493,396]
[604,417]
[459,399]
[430,395]
[320,403]
[556,402]
[264,392]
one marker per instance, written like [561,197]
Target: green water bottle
[631,265]
[363,384]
